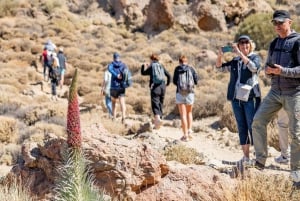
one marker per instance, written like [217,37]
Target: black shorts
[116,93]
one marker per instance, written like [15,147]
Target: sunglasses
[277,23]
[244,42]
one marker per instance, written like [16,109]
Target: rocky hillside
[32,126]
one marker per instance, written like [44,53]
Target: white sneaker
[295,176]
[281,159]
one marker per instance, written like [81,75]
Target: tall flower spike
[73,116]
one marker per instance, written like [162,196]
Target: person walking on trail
[185,77]
[284,69]
[243,88]
[105,90]
[62,64]
[45,64]
[54,75]
[283,136]
[117,91]
[157,84]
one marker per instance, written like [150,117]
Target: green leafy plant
[76,182]
[259,27]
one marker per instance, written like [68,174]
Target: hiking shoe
[184,139]
[281,159]
[259,166]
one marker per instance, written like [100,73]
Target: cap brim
[279,19]
[244,39]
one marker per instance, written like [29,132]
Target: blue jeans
[108,104]
[244,113]
[271,104]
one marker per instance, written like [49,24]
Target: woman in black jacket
[157,84]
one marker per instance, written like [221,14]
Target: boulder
[121,167]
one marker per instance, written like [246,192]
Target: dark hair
[154,57]
[183,59]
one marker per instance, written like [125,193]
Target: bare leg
[123,107]
[183,117]
[189,116]
[114,108]
[246,149]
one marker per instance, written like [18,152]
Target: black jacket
[286,52]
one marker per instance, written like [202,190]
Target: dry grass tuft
[184,155]
[261,187]
[8,129]
[227,118]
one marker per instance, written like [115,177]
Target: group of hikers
[54,65]
[252,113]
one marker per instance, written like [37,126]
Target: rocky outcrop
[159,16]
[122,167]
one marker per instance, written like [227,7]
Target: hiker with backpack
[283,67]
[243,89]
[62,64]
[120,80]
[54,75]
[185,78]
[157,84]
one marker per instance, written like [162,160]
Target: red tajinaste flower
[73,116]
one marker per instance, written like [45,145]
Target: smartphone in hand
[227,48]
[271,65]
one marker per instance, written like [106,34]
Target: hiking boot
[281,159]
[259,166]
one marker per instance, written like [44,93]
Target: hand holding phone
[271,65]
[227,48]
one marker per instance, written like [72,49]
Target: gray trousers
[271,104]
[283,132]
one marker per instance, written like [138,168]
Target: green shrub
[259,28]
